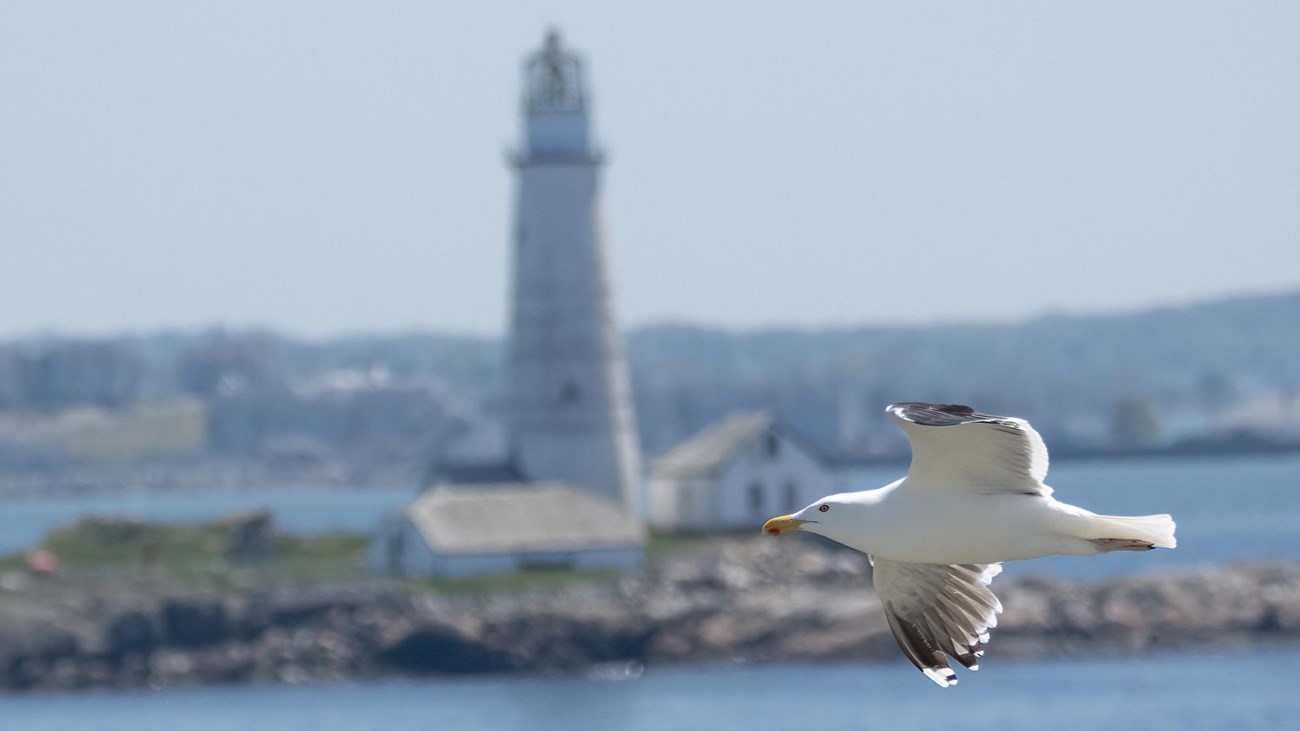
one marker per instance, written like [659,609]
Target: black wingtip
[937,414]
[954,409]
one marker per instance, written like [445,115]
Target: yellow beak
[783,524]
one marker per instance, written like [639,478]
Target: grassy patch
[94,543]
[200,554]
[328,557]
[11,563]
[144,556]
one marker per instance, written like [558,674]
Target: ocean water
[1242,509]
[1227,509]
[1186,692]
[1237,509]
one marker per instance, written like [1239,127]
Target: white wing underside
[938,611]
[956,448]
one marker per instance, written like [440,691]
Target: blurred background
[367,364]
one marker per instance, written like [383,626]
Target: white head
[832,516]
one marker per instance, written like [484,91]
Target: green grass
[113,543]
[196,555]
[328,557]
[149,556]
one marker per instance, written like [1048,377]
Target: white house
[458,531]
[734,475]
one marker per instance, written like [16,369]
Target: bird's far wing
[956,447]
[937,611]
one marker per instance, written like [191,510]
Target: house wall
[399,548]
[375,554]
[785,482]
[461,566]
[662,503]
[685,505]
[387,549]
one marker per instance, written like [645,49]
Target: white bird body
[973,497]
[927,526]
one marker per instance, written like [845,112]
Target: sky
[332,167]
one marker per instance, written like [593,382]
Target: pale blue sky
[333,167]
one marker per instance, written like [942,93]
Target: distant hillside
[1064,372]
[1137,379]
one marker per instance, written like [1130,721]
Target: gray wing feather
[938,611]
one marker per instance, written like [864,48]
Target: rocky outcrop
[194,622]
[435,647]
[744,601]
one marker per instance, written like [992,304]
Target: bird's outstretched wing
[956,447]
[937,611]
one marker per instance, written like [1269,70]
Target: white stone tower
[570,402]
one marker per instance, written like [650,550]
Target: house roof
[520,517]
[711,450]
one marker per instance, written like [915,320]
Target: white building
[734,475]
[569,400]
[488,529]
[567,489]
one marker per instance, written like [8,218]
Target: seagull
[972,498]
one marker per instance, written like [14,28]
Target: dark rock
[572,638]
[226,665]
[803,602]
[295,610]
[41,640]
[438,648]
[26,657]
[194,623]
[130,633]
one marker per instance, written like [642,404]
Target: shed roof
[514,517]
[711,450]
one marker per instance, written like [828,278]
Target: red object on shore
[42,563]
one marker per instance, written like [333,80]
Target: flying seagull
[973,498]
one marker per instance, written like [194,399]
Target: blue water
[1237,509]
[1227,509]
[1238,692]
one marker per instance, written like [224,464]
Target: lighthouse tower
[570,403]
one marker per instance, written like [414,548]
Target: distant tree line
[63,374]
[1136,379]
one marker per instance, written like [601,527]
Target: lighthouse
[569,401]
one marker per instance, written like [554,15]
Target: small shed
[734,475]
[459,531]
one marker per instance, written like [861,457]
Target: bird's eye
[824,508]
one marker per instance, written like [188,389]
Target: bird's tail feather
[1115,530]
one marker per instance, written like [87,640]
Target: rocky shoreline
[747,601]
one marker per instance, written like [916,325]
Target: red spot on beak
[774,531]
